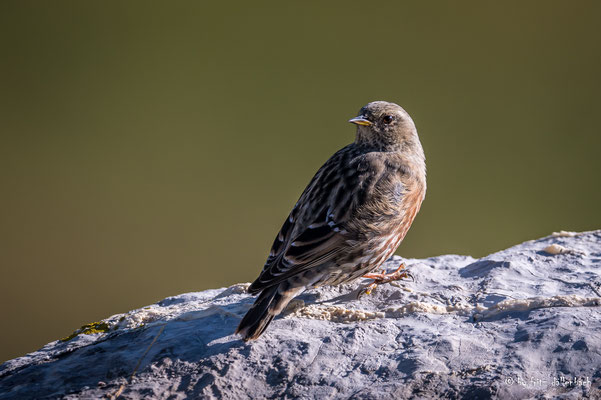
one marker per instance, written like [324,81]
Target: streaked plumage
[351,217]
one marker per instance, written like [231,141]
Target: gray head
[387,127]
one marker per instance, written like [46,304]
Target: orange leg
[383,277]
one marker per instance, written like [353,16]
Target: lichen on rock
[89,329]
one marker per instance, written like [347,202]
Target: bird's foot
[383,277]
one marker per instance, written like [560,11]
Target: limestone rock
[523,322]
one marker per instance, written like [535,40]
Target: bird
[351,217]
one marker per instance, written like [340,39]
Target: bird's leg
[383,277]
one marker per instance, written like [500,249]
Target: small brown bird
[351,217]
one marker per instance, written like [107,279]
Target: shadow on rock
[483,267]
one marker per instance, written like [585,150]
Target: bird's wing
[316,232]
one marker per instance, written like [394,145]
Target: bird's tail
[269,304]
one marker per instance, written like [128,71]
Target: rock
[523,322]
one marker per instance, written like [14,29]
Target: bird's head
[386,127]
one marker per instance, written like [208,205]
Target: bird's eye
[387,119]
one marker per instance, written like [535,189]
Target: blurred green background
[153,148]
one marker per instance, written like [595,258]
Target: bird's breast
[407,202]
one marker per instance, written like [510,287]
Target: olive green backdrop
[153,148]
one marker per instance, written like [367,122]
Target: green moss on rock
[88,329]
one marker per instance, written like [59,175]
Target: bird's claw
[367,290]
[383,277]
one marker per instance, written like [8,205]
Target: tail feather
[269,304]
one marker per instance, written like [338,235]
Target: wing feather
[318,228]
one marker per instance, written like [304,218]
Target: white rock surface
[521,323]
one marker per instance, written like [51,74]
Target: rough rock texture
[521,323]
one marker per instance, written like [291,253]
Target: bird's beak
[360,120]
